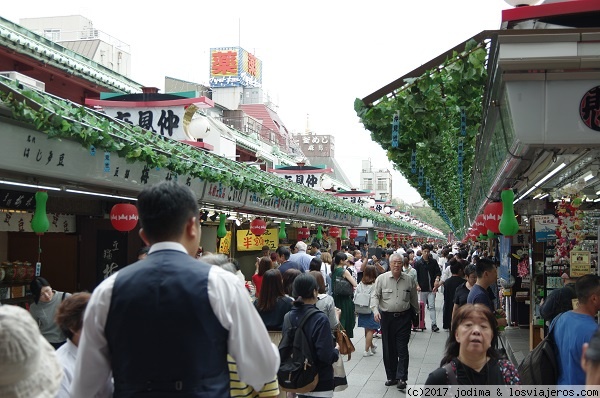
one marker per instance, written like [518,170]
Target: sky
[318,56]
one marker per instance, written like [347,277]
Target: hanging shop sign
[167,118]
[217,193]
[545,227]
[308,176]
[580,263]
[234,67]
[247,241]
[270,205]
[355,196]
[225,243]
[16,200]
[310,212]
[33,153]
[317,145]
[19,221]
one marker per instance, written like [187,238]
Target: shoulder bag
[342,287]
[345,344]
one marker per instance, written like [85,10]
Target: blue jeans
[429,298]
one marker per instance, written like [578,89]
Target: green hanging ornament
[490,234]
[282,234]
[222,231]
[344,236]
[40,222]
[319,232]
[508,223]
[481,237]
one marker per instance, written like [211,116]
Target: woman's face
[46,294]
[474,335]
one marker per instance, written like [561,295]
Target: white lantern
[326,183]
[386,210]
[199,127]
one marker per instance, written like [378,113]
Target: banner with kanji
[247,241]
[225,243]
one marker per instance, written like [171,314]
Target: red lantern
[380,235]
[303,233]
[334,232]
[396,237]
[258,227]
[491,216]
[389,237]
[124,217]
[353,233]
[480,225]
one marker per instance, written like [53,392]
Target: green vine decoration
[63,119]
[430,122]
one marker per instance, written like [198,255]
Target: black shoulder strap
[63,296]
[308,314]
[451,374]
[551,328]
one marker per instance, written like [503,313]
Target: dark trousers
[395,330]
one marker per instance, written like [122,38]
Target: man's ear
[142,234]
[192,228]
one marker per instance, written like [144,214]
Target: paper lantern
[508,224]
[380,235]
[282,234]
[222,231]
[124,217]
[396,236]
[258,227]
[303,233]
[480,225]
[353,233]
[344,235]
[492,215]
[319,234]
[334,232]
[40,222]
[389,237]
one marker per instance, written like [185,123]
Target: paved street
[366,375]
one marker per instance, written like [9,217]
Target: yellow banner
[247,241]
[225,243]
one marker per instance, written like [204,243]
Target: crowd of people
[174,325]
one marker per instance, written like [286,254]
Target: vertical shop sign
[111,253]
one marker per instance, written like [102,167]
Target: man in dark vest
[164,325]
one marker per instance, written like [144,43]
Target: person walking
[394,303]
[164,325]
[428,281]
[318,331]
[344,303]
[572,329]
[487,274]
[450,286]
[367,321]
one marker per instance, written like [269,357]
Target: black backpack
[539,367]
[561,302]
[298,371]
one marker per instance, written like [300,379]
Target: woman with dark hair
[263,264]
[288,280]
[316,264]
[317,329]
[344,303]
[462,291]
[44,307]
[366,320]
[325,302]
[470,357]
[69,319]
[272,303]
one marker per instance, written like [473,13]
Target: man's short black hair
[164,209]
[284,251]
[316,245]
[483,265]
[586,286]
